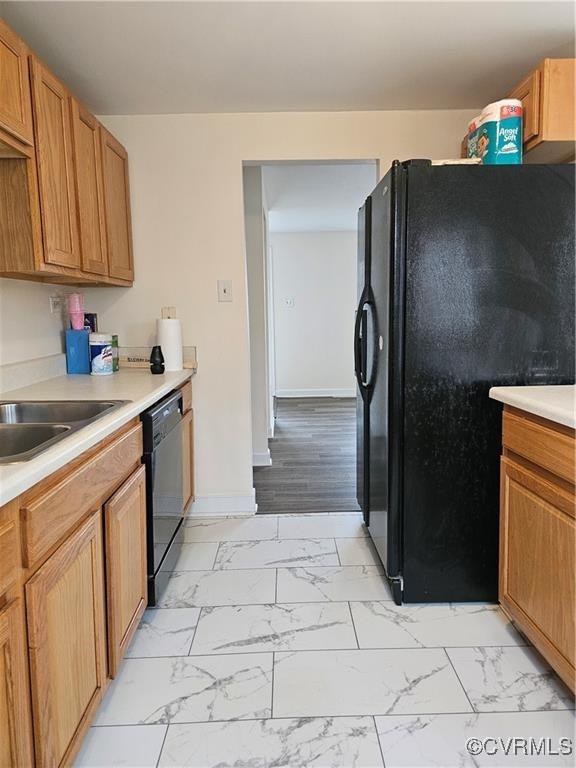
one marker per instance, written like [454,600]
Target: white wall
[271,334]
[27,328]
[317,271]
[255,224]
[186,182]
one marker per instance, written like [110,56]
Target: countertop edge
[27,474]
[530,402]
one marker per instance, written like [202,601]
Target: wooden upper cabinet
[547,95]
[54,156]
[64,195]
[528,92]
[89,190]
[557,108]
[548,104]
[117,208]
[15,725]
[67,643]
[126,577]
[15,108]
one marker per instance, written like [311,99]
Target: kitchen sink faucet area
[28,428]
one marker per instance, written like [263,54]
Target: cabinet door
[15,724]
[126,581]
[537,563]
[15,106]
[9,549]
[66,638]
[117,207]
[188,457]
[528,91]
[558,83]
[55,168]
[89,190]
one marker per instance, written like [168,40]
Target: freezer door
[379,451]
[489,301]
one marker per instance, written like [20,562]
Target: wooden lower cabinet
[15,724]
[73,587]
[53,509]
[537,553]
[9,547]
[67,643]
[188,457]
[126,583]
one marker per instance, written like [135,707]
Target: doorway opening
[301,252]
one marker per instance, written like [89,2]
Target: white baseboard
[216,505]
[261,459]
[344,392]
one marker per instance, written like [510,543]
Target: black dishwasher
[162,432]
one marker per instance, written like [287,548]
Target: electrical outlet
[57,304]
[224,290]
[289,303]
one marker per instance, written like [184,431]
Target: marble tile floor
[277,643]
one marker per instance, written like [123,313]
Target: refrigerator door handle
[361,344]
[369,309]
[358,342]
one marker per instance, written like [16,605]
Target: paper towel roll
[169,337]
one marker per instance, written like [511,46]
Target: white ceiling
[316,198]
[170,57]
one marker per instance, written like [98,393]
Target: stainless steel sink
[29,427]
[19,442]
[51,412]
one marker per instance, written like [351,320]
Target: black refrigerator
[465,281]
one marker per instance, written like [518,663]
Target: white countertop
[554,402]
[140,387]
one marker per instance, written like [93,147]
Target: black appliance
[162,434]
[465,281]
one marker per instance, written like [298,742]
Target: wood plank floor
[313,458]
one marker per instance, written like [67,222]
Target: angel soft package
[495,136]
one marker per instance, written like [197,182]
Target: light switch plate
[224,290]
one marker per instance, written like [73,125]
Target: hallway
[313,458]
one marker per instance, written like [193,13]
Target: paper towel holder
[169,336]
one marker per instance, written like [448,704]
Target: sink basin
[19,442]
[50,412]
[27,428]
